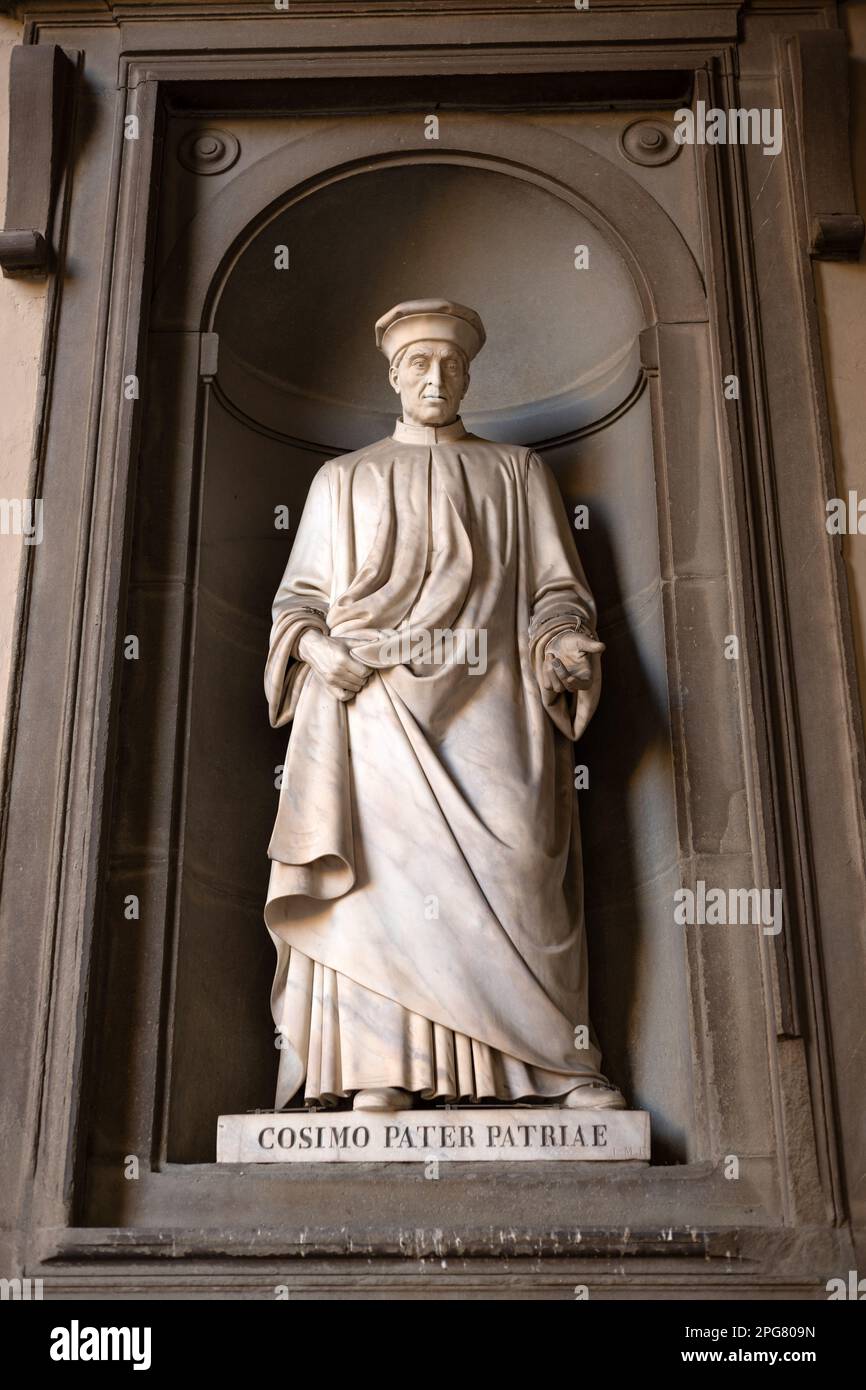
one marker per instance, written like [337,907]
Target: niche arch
[193,273]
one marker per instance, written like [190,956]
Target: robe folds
[425,896]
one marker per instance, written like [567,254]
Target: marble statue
[434,648]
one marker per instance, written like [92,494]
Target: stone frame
[790,606]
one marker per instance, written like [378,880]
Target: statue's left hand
[567,664]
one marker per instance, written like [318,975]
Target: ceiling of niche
[304,336]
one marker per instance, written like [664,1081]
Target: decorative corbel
[40,106]
[818,66]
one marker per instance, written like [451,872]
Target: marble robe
[425,896]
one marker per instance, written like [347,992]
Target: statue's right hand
[332,663]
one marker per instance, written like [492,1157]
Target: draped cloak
[425,896]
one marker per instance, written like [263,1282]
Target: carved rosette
[649,142]
[208,151]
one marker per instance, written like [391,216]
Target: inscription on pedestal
[409,1136]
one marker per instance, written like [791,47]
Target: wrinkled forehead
[429,348]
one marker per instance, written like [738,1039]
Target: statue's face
[431,380]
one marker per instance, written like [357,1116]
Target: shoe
[594,1095]
[382,1098]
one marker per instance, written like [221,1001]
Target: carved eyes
[450,364]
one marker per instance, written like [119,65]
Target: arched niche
[298,379]
[194,265]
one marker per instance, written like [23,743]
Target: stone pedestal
[476,1135]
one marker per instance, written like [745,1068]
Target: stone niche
[297,371]
[286,376]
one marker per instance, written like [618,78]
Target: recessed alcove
[298,380]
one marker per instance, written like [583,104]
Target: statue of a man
[433,644]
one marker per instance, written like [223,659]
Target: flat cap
[438,319]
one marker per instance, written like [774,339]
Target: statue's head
[429,344]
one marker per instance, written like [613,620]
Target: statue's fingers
[552,676]
[350,677]
[591,644]
[578,674]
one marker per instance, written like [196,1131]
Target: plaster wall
[22,314]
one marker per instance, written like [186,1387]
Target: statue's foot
[382,1098]
[594,1095]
